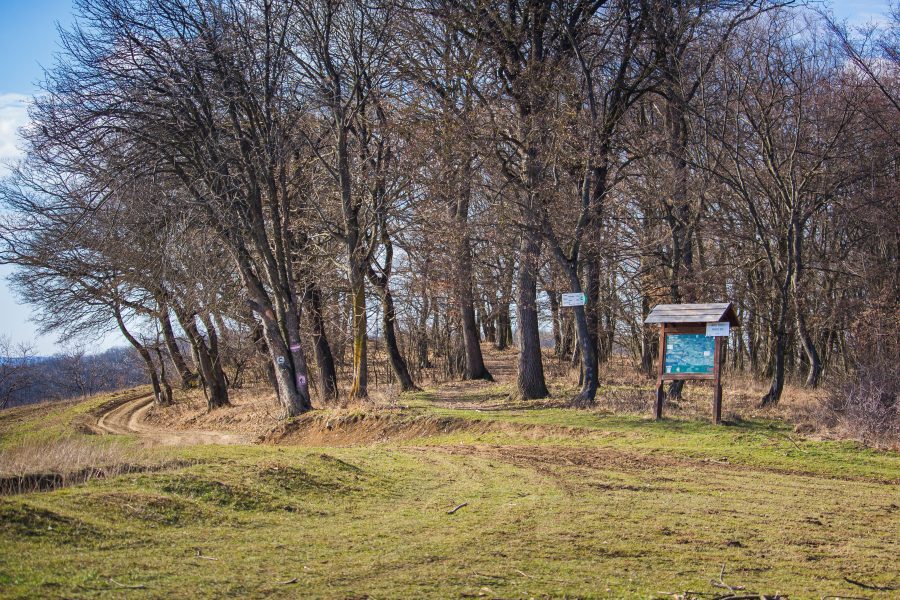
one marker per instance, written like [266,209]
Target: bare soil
[253,412]
[129,418]
[378,426]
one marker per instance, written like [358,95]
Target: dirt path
[128,418]
[498,394]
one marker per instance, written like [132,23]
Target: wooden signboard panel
[687,353]
[692,343]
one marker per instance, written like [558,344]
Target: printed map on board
[689,353]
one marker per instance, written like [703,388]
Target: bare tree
[16,370]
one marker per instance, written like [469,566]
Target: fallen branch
[868,586]
[524,574]
[450,512]
[689,595]
[791,440]
[751,597]
[289,581]
[127,587]
[721,582]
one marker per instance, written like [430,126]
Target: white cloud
[13,115]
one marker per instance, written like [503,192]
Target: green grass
[561,503]
[49,421]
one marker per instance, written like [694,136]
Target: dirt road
[128,418]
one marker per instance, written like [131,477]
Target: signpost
[573,299]
[718,329]
[692,343]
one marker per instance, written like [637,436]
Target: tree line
[26,377]
[288,185]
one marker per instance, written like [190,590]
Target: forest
[318,194]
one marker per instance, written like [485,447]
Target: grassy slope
[593,505]
[44,422]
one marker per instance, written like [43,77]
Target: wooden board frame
[716,376]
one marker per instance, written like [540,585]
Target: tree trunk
[806,341]
[530,380]
[259,341]
[210,367]
[475,368]
[398,364]
[489,323]
[422,358]
[774,394]
[568,336]
[324,357]
[142,351]
[360,387]
[646,339]
[188,377]
[504,319]
[555,323]
[592,310]
[778,367]
[504,327]
[589,378]
[166,388]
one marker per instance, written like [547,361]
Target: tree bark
[356,252]
[806,341]
[475,368]
[646,339]
[780,342]
[166,388]
[188,377]
[555,322]
[504,319]
[589,376]
[210,367]
[530,379]
[142,351]
[359,390]
[422,358]
[398,364]
[324,357]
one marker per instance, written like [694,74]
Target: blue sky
[28,39]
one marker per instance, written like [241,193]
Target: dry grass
[624,390]
[64,455]
[254,410]
[40,466]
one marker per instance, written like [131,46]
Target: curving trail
[128,419]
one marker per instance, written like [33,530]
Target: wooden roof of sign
[693,313]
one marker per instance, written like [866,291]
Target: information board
[689,353]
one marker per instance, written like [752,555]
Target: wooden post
[717,389]
[660,393]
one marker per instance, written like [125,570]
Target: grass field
[558,503]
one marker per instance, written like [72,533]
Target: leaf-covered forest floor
[550,502]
